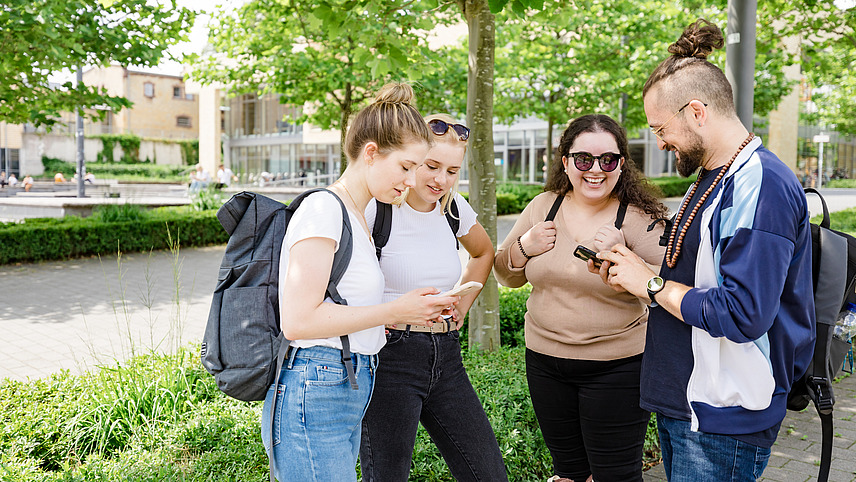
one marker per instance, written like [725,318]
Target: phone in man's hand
[586,254]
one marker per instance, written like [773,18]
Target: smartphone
[463,290]
[586,254]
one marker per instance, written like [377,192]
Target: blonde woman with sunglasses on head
[421,377]
[584,340]
[317,420]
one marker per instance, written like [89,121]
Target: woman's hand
[539,239]
[418,307]
[608,236]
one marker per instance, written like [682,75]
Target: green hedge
[110,170]
[674,186]
[70,237]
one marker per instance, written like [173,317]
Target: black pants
[421,378]
[589,415]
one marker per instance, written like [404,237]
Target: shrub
[53,166]
[139,171]
[70,237]
[841,183]
[673,186]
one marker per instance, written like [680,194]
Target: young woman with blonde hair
[421,377]
[316,426]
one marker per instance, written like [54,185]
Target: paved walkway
[82,313]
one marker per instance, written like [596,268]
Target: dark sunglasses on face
[439,128]
[584,161]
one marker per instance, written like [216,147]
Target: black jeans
[589,415]
[421,378]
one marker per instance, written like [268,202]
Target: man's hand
[627,271]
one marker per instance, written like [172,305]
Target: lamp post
[820,139]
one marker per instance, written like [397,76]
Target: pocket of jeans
[394,336]
[276,436]
[762,458]
[326,375]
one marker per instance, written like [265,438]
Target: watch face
[655,284]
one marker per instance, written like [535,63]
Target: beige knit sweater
[571,312]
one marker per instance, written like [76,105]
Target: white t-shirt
[224,176]
[421,251]
[320,215]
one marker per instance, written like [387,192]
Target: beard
[689,159]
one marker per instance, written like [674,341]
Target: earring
[699,124]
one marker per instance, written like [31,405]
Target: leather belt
[444,327]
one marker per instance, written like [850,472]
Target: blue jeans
[316,434]
[697,456]
[421,378]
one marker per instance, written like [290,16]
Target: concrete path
[81,313]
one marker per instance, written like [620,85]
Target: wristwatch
[655,285]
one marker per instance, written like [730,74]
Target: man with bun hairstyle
[732,310]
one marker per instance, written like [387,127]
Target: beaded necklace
[672,257]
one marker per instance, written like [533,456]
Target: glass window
[183,121]
[176,92]
[149,89]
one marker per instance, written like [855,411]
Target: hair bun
[395,93]
[698,40]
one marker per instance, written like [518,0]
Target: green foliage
[523,193]
[844,220]
[207,199]
[40,38]
[70,237]
[674,186]
[189,151]
[845,183]
[129,143]
[512,308]
[53,165]
[135,171]
[328,54]
[118,213]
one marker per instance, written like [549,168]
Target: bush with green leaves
[109,229]
[123,172]
[674,186]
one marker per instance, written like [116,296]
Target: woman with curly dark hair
[584,340]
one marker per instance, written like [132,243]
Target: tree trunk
[346,117]
[484,314]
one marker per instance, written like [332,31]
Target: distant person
[89,177]
[732,321]
[58,177]
[3,180]
[27,183]
[225,176]
[13,181]
[199,179]
[584,340]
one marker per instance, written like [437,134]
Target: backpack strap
[382,226]
[555,208]
[619,216]
[454,219]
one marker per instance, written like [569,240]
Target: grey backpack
[243,345]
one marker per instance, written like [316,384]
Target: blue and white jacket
[751,308]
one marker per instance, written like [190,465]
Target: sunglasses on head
[584,161]
[439,128]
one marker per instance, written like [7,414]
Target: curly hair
[632,187]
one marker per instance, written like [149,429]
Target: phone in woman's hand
[586,254]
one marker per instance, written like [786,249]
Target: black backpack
[383,224]
[243,345]
[619,215]
[834,276]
